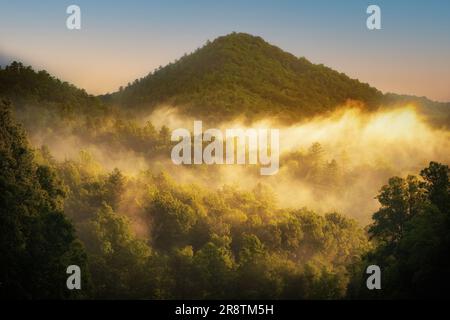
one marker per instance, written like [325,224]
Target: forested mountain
[234,75]
[240,74]
[154,235]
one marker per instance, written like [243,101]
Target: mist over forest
[88,180]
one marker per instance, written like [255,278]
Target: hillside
[27,88]
[242,74]
[52,110]
[235,75]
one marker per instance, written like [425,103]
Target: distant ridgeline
[24,86]
[235,75]
[436,113]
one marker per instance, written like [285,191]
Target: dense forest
[201,244]
[206,244]
[86,180]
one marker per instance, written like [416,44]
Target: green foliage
[37,242]
[117,260]
[400,201]
[411,232]
[30,89]
[51,108]
[234,244]
[172,220]
[166,240]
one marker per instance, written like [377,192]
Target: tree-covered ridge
[240,74]
[235,75]
[436,113]
[49,107]
[28,88]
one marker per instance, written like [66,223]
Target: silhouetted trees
[411,236]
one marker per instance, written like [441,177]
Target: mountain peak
[240,74]
[242,38]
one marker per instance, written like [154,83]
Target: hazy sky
[123,40]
